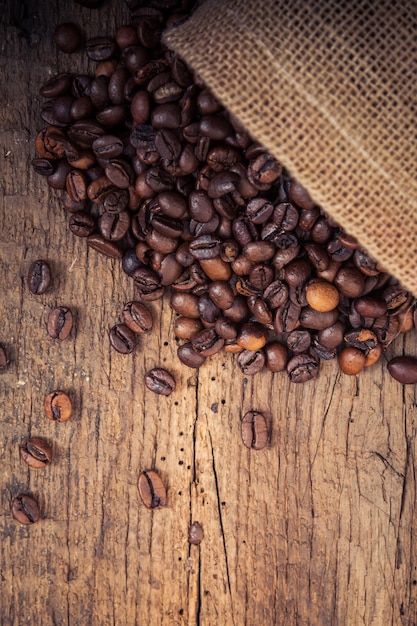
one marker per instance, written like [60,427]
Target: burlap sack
[330,89]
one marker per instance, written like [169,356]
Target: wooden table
[318,528]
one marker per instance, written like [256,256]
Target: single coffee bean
[25,509]
[137,317]
[252,336]
[160,381]
[39,277]
[302,367]
[100,48]
[207,342]
[82,224]
[189,357]
[36,452]
[368,306]
[122,338]
[403,369]
[108,248]
[4,360]
[60,323]
[251,362]
[67,37]
[58,406]
[152,490]
[298,341]
[322,296]
[254,430]
[351,360]
[276,356]
[332,336]
[195,534]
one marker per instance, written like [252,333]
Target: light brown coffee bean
[58,406]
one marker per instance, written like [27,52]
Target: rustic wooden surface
[319,528]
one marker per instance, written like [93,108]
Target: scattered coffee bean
[25,509]
[152,490]
[160,381]
[36,452]
[67,37]
[137,317]
[195,533]
[404,369]
[254,430]
[60,323]
[58,406]
[122,338]
[39,277]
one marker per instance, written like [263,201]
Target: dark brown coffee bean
[254,430]
[152,490]
[189,357]
[58,406]
[367,306]
[276,356]
[36,452]
[60,323]
[350,282]
[25,509]
[100,48]
[195,534]
[207,342]
[102,245]
[264,169]
[82,224]
[302,367]
[122,338]
[317,320]
[67,37]
[4,360]
[251,362]
[39,277]
[298,341]
[403,369]
[137,317]
[160,381]
[332,336]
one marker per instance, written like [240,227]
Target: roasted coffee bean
[39,277]
[160,381]
[152,490]
[137,317]
[189,357]
[403,369]
[100,48]
[264,169]
[82,224]
[25,509]
[60,323]
[370,307]
[276,356]
[318,320]
[4,360]
[302,367]
[251,362]
[259,251]
[102,245]
[288,317]
[185,327]
[36,452]
[322,296]
[332,336]
[350,282]
[208,311]
[298,341]
[225,328]
[254,430]
[351,360]
[195,534]
[58,406]
[207,342]
[122,338]
[67,37]
[252,336]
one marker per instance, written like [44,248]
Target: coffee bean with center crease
[190,357]
[137,317]
[152,490]
[25,509]
[122,338]
[39,277]
[207,342]
[254,430]
[160,381]
[60,323]
[251,362]
[58,406]
[302,367]
[36,452]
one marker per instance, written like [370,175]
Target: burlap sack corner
[330,89]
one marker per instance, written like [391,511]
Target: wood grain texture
[318,528]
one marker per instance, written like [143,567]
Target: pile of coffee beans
[155,172]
